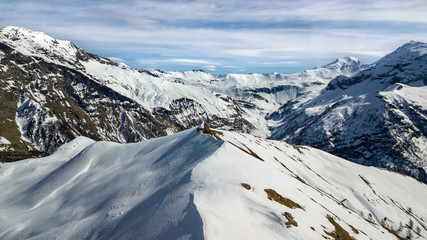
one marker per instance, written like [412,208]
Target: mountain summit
[347,65]
[40,45]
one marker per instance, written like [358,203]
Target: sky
[226,36]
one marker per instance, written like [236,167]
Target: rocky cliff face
[377,117]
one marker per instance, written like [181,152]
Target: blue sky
[224,36]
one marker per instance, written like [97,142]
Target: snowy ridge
[192,186]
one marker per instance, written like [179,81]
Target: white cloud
[270,10]
[365,53]
[231,66]
[203,64]
[210,68]
[196,63]
[192,62]
[215,33]
[280,63]
[116,59]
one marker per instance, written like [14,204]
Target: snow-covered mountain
[205,184]
[52,91]
[377,117]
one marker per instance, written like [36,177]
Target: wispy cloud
[219,33]
[191,62]
[116,59]
[280,62]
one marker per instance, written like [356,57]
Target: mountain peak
[15,29]
[403,65]
[39,44]
[406,53]
[19,35]
[347,66]
[412,44]
[341,62]
[414,47]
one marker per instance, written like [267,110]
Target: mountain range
[52,91]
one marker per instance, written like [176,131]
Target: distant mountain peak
[341,62]
[346,66]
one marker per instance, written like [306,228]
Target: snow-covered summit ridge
[192,185]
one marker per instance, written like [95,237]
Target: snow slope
[189,186]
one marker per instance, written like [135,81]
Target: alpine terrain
[205,184]
[52,91]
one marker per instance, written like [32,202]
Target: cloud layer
[259,36]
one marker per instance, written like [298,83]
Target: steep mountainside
[378,117]
[192,185]
[53,91]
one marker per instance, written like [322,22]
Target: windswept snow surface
[188,186]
